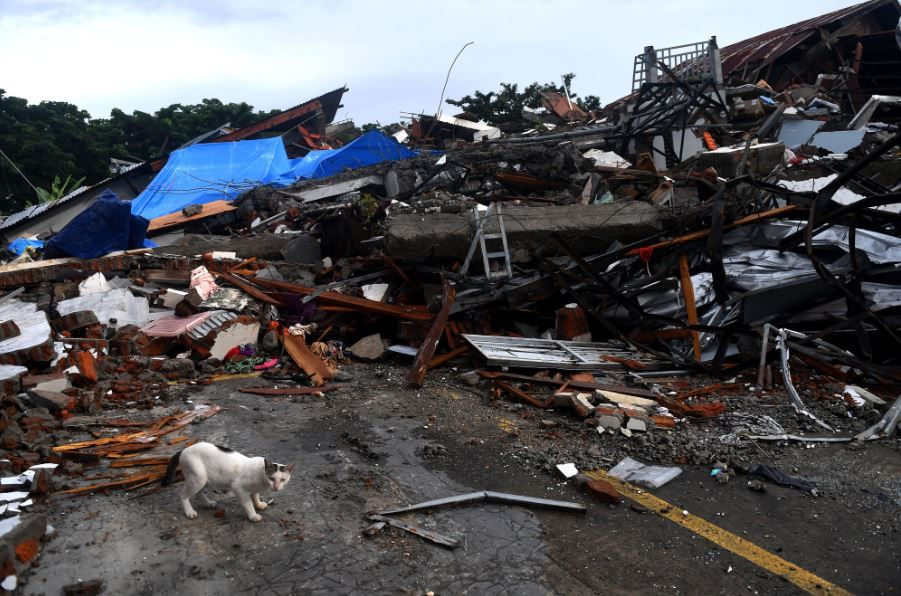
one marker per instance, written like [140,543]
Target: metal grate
[691,62]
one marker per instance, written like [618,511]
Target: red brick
[604,491]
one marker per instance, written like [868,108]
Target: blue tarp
[106,226]
[211,172]
[369,149]
[18,246]
[215,171]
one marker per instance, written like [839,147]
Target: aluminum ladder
[490,254]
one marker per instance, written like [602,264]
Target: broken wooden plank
[308,362]
[698,235]
[442,358]
[246,287]
[427,349]
[178,218]
[570,383]
[143,478]
[335,299]
[691,308]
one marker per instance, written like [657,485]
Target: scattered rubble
[714,249]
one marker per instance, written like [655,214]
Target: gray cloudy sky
[393,54]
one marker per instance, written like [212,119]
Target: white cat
[204,464]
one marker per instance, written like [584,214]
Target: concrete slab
[589,228]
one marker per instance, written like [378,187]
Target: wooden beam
[246,287]
[753,218]
[399,311]
[309,362]
[427,349]
[691,308]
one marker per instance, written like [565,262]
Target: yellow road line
[802,578]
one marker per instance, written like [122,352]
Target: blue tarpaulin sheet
[18,246]
[369,149]
[106,226]
[215,171]
[212,172]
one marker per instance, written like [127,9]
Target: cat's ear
[269,466]
[290,468]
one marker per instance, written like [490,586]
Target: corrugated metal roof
[36,210]
[762,49]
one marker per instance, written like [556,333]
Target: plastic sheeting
[18,246]
[369,149]
[211,172]
[215,171]
[106,226]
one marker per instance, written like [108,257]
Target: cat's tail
[169,478]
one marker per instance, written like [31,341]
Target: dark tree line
[57,139]
[505,105]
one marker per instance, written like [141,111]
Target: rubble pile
[700,249]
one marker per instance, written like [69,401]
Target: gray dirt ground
[375,444]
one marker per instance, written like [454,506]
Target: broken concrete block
[637,424]
[178,368]
[12,436]
[54,402]
[76,321]
[9,329]
[609,418]
[762,158]
[34,343]
[11,378]
[370,347]
[20,540]
[303,249]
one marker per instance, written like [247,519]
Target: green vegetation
[54,139]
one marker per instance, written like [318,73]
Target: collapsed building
[736,213]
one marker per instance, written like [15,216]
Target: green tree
[57,139]
[505,105]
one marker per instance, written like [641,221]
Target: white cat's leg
[205,501]
[194,483]
[257,502]
[247,504]
[189,489]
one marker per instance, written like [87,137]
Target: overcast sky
[392,54]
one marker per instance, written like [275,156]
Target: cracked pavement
[371,446]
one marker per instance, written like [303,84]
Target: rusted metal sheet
[427,349]
[270,123]
[562,106]
[760,50]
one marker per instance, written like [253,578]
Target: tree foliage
[505,105]
[57,139]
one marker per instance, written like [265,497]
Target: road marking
[802,578]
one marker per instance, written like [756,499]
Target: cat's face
[278,475]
